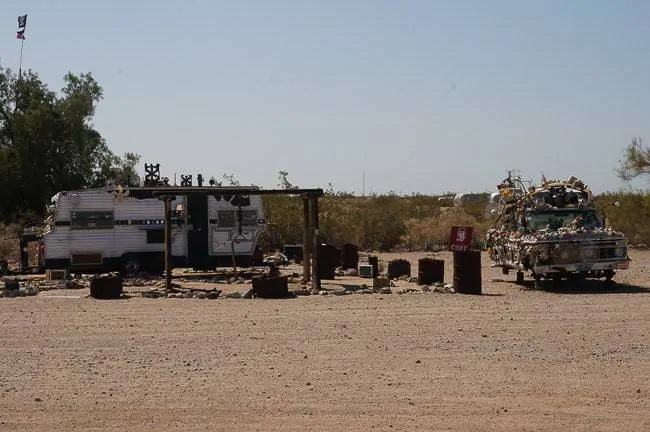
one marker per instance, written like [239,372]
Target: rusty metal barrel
[328,261]
[106,287]
[467,272]
[271,287]
[399,267]
[374,262]
[349,256]
[430,271]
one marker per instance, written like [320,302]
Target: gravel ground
[573,359]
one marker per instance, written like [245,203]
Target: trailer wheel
[131,265]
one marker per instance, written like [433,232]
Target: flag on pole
[22,24]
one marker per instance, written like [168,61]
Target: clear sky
[422,95]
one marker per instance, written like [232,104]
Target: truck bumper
[582,267]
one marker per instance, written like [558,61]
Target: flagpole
[20,62]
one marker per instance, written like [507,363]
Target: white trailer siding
[125,236]
[127,232]
[226,228]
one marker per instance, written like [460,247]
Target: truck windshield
[555,219]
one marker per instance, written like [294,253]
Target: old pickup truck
[554,232]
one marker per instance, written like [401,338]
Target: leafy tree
[48,142]
[636,161]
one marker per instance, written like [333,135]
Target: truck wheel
[130,265]
[520,277]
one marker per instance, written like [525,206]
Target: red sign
[460,239]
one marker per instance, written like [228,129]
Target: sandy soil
[576,359]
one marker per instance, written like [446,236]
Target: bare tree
[636,161]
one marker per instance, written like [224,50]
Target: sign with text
[460,239]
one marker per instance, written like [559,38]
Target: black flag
[22,21]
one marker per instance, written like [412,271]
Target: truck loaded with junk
[553,232]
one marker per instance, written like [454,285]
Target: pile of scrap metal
[554,232]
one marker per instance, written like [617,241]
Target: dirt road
[509,360]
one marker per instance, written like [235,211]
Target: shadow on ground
[582,287]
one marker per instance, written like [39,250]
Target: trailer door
[198,234]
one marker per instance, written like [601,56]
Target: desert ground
[575,358]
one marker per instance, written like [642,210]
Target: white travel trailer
[92,231]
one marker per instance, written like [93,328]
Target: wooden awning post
[315,243]
[307,242]
[168,241]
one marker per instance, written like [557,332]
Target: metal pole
[315,244]
[168,242]
[306,242]
[20,62]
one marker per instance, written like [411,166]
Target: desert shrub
[378,222]
[433,232]
[632,217]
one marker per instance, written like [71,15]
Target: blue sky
[423,96]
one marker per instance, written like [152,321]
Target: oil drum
[349,256]
[106,287]
[399,267]
[328,260]
[430,271]
[271,287]
[467,272]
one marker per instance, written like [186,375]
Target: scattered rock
[213,294]
[234,295]
[302,292]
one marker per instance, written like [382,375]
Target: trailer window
[249,218]
[91,220]
[156,236]
[226,219]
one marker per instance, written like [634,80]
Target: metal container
[328,261]
[430,271]
[271,287]
[467,272]
[106,287]
[349,256]
[398,268]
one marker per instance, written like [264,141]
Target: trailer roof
[143,192]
